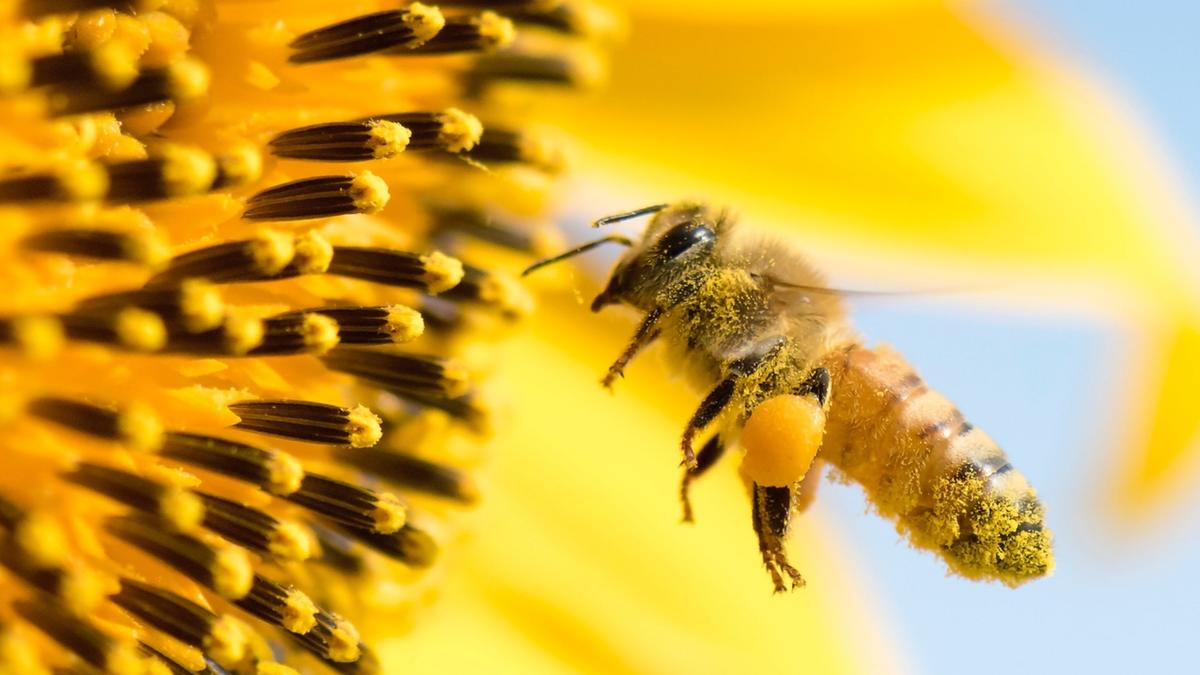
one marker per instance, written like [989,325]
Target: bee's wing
[809,310]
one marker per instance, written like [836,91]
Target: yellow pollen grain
[115,65]
[454,379]
[405,324]
[389,514]
[168,39]
[507,294]
[42,540]
[155,666]
[82,181]
[320,332]
[290,541]
[225,641]
[94,28]
[140,330]
[140,428]
[201,305]
[182,509]
[546,242]
[240,164]
[542,153]
[441,272]
[82,591]
[40,338]
[468,491]
[343,642]
[187,79]
[18,655]
[187,171]
[424,22]
[388,139]
[232,573]
[11,407]
[272,250]
[123,659]
[284,474]
[365,427]
[496,31]
[369,192]
[460,130]
[600,23]
[146,120]
[241,334]
[43,36]
[781,439]
[15,70]
[186,10]
[313,254]
[260,76]
[298,613]
[148,248]
[263,668]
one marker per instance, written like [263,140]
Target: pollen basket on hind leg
[781,439]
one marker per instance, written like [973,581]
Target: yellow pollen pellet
[781,438]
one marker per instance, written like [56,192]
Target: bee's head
[678,237]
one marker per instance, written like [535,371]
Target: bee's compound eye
[681,238]
[781,439]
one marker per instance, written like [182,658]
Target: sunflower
[251,255]
[905,145]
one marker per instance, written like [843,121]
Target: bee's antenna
[629,215]
[614,239]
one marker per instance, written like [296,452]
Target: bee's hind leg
[772,516]
[705,459]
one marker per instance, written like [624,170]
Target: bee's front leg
[645,334]
[772,517]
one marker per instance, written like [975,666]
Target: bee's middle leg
[710,407]
[772,517]
[705,459]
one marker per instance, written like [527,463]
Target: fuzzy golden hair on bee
[756,329]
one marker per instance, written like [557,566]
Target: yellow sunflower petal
[1165,468]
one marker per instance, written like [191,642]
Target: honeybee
[784,376]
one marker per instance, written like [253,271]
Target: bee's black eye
[683,237]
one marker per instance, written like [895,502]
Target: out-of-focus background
[1029,170]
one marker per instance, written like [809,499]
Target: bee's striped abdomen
[948,485]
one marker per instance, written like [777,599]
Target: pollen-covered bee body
[720,300]
[755,329]
[946,482]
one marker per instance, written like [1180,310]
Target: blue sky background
[1045,388]
[1115,605]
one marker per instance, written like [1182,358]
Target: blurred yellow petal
[756,9]
[1166,469]
[910,129]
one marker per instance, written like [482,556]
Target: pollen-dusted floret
[343,141]
[320,197]
[201,473]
